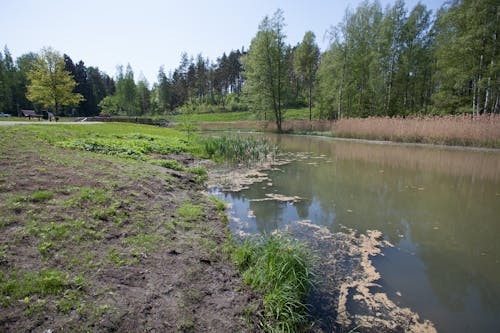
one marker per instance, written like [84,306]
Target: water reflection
[439,207]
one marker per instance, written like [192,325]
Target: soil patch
[97,243]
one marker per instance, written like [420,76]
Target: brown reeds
[464,130]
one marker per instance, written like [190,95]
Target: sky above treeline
[153,33]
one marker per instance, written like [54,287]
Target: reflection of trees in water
[482,165]
[446,201]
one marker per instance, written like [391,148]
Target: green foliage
[50,84]
[169,164]
[190,211]
[279,269]
[39,196]
[306,61]
[239,149]
[220,205]
[135,146]
[200,172]
[266,67]
[42,283]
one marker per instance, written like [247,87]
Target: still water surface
[439,207]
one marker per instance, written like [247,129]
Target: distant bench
[31,114]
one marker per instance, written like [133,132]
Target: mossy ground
[96,242]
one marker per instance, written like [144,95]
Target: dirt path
[93,243]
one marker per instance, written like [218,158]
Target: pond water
[439,207]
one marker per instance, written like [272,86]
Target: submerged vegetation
[280,269]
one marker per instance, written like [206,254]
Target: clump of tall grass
[280,269]
[239,149]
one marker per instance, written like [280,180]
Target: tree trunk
[310,100]
[474,98]
[478,96]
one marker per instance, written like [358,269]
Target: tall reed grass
[239,149]
[464,130]
[279,268]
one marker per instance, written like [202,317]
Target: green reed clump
[239,149]
[280,269]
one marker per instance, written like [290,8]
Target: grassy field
[109,241]
[105,227]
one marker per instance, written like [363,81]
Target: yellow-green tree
[50,84]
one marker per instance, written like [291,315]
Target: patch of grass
[88,195]
[42,283]
[116,258]
[40,196]
[278,268]
[143,243]
[69,301]
[201,174]
[169,164]
[220,205]
[190,211]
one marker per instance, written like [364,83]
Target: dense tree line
[394,62]
[380,62]
[91,83]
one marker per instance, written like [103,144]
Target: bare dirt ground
[93,243]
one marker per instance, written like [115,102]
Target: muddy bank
[347,293]
[344,297]
[94,243]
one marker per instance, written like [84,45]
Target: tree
[143,96]
[126,91]
[306,60]
[50,84]
[164,91]
[24,63]
[467,57]
[266,67]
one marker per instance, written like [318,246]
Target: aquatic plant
[279,268]
[239,149]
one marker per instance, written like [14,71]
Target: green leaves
[51,85]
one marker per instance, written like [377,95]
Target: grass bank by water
[104,227]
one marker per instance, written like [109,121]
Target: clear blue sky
[151,33]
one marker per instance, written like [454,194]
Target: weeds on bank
[239,149]
[279,268]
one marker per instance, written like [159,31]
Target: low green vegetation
[104,207]
[280,269]
[39,196]
[239,149]
[45,282]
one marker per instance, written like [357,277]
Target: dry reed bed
[455,130]
[483,131]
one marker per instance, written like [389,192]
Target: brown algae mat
[95,243]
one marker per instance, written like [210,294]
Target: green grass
[42,283]
[279,268]
[239,149]
[190,211]
[169,164]
[40,196]
[215,117]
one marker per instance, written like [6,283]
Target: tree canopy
[50,84]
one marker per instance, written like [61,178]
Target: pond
[438,207]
